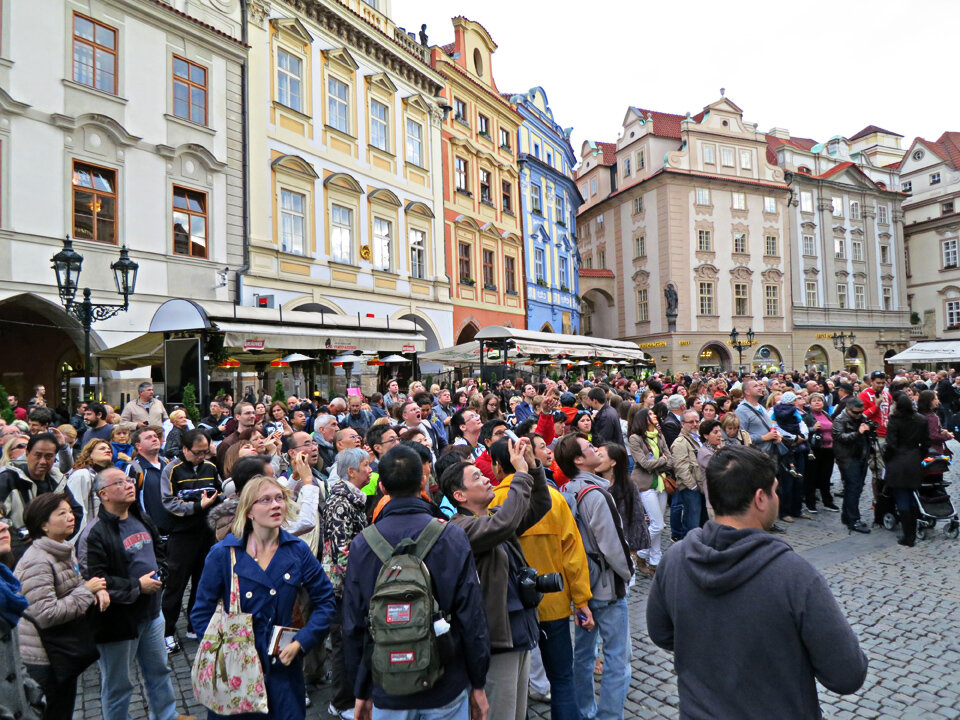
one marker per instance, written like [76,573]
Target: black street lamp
[67,264]
[739,346]
[842,341]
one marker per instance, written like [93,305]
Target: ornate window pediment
[839,229]
[771,275]
[419,208]
[416,101]
[344,182]
[741,272]
[292,26]
[341,57]
[641,278]
[861,276]
[808,225]
[887,277]
[842,274]
[206,158]
[114,130]
[811,271]
[296,165]
[856,231]
[384,196]
[706,271]
[382,81]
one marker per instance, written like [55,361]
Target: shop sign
[408,349]
[655,344]
[249,344]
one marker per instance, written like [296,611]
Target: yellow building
[345,185]
[482,225]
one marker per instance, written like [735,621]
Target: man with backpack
[611,569]
[414,629]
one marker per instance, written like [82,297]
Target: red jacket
[878,412]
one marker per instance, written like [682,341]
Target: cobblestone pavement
[903,604]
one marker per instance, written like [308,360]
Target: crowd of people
[553,499]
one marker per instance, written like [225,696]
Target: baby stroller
[932,500]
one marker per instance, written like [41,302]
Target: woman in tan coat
[652,462]
[57,594]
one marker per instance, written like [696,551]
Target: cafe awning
[935,351]
[252,333]
[529,342]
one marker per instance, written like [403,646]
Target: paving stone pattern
[903,604]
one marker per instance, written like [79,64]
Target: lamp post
[842,341]
[739,346]
[67,264]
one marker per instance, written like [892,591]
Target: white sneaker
[172,645]
[342,714]
[191,635]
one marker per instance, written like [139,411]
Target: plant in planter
[914,318]
[190,403]
[468,281]
[541,282]
[278,392]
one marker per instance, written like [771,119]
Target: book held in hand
[280,638]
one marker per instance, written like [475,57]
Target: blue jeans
[689,504]
[676,517]
[853,473]
[459,709]
[614,628]
[556,652]
[116,667]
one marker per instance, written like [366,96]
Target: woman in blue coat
[271,565]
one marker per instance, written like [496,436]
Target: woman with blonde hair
[173,445]
[731,428]
[14,449]
[95,456]
[271,567]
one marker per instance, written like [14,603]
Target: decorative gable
[382,81]
[342,58]
[293,28]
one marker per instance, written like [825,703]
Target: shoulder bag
[227,675]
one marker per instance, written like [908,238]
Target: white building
[930,171]
[120,124]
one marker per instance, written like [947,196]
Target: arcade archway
[816,359]
[597,316]
[713,357]
[767,358]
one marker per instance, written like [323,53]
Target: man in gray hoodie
[752,625]
[611,570]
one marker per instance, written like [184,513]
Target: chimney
[781,133]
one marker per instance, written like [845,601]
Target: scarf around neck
[654,445]
[12,603]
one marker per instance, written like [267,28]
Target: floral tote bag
[227,675]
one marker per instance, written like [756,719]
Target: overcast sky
[818,68]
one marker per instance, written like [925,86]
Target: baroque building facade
[689,203]
[930,172]
[345,169]
[549,199]
[481,206]
[120,125]
[846,230]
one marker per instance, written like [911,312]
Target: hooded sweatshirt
[752,625]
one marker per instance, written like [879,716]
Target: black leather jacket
[849,443]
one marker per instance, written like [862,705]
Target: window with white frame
[854,210]
[704,241]
[857,250]
[509,274]
[601,258]
[709,155]
[946,208]
[560,209]
[460,110]
[703,196]
[842,296]
[726,157]
[884,254]
[641,160]
[953,313]
[771,300]
[483,124]
[460,175]
[906,186]
[292,222]
[539,260]
[741,299]
[504,139]
[935,178]
[882,214]
[506,196]
[740,242]
[806,201]
[640,246]
[637,205]
[289,80]
[811,294]
[643,306]
[771,246]
[739,201]
[888,298]
[859,297]
[382,234]
[746,160]
[837,203]
[769,204]
[536,199]
[338,109]
[626,167]
[840,248]
[341,234]
[705,295]
[948,250]
[418,253]
[809,245]
[564,271]
[593,186]
[414,143]
[379,125]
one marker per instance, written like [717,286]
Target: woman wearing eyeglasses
[96,455]
[14,449]
[272,567]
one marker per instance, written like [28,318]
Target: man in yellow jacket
[554,545]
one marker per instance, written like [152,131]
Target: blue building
[549,202]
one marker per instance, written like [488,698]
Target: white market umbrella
[395,359]
[296,357]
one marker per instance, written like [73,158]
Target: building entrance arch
[597,316]
[816,359]
[715,357]
[767,358]
[855,361]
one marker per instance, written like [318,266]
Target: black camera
[870,424]
[531,587]
[194,494]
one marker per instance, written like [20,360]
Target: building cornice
[344,23]
[487,92]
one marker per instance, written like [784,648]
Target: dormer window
[804,170]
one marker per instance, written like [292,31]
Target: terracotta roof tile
[774,142]
[596,272]
[666,124]
[869,130]
[448,48]
[835,170]
[949,143]
[609,152]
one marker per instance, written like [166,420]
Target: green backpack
[406,657]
